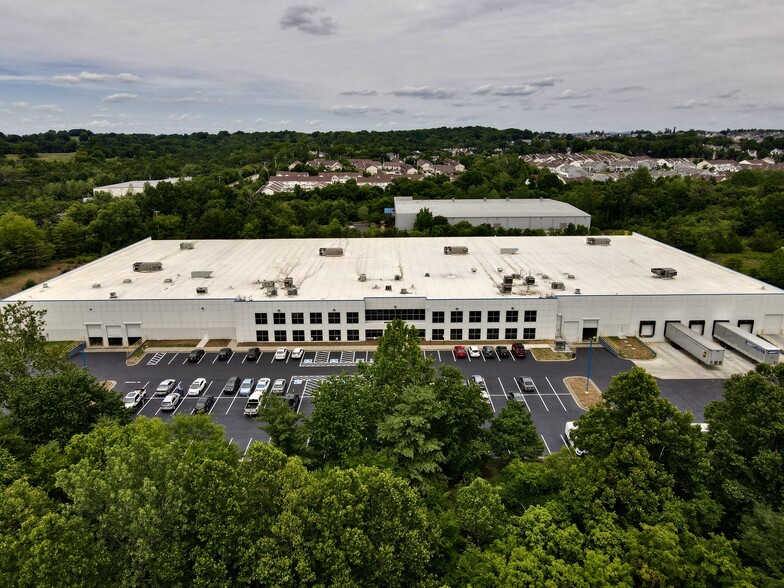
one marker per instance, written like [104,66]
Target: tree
[481,513]
[23,243]
[424,220]
[761,538]
[282,425]
[336,425]
[513,434]
[58,406]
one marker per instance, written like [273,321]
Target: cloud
[426,92]
[728,95]
[313,123]
[305,19]
[359,93]
[350,110]
[184,117]
[524,90]
[624,89]
[123,97]
[545,82]
[87,76]
[19,104]
[483,89]
[46,108]
[570,94]
[692,103]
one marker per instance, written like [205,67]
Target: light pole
[590,354]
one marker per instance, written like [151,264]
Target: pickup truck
[135,398]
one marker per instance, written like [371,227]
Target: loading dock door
[114,334]
[95,334]
[590,328]
[570,330]
[771,324]
[134,331]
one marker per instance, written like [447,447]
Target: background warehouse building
[476,288]
[517,213]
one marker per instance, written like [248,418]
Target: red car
[518,349]
[460,352]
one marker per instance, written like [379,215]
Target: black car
[195,355]
[253,354]
[292,400]
[204,403]
[225,353]
[502,351]
[232,385]
[488,352]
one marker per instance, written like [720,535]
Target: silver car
[171,401]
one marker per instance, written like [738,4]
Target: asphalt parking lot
[551,405]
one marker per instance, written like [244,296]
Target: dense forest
[400,477]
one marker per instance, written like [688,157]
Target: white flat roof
[493,207]
[139,183]
[239,266]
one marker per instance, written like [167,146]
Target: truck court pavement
[551,405]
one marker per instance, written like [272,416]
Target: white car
[281,353]
[135,398]
[474,351]
[166,387]
[279,387]
[297,353]
[262,385]
[171,401]
[197,387]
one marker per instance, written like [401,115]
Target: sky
[176,66]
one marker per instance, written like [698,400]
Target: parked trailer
[746,343]
[703,349]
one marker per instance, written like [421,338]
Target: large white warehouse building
[468,289]
[517,213]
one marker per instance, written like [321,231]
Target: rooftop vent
[268,284]
[530,280]
[597,240]
[167,280]
[557,286]
[362,277]
[545,277]
[508,279]
[46,285]
[330,251]
[473,270]
[403,291]
[398,277]
[427,274]
[455,250]
[388,288]
[664,272]
[127,281]
[506,288]
[499,269]
[186,245]
[509,250]
[112,294]
[96,285]
[577,291]
[147,266]
[570,276]
[272,292]
[292,291]
[288,282]
[201,274]
[201,289]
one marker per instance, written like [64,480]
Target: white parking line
[300,401]
[453,356]
[556,393]
[502,386]
[214,404]
[439,356]
[248,447]
[232,402]
[201,359]
[214,360]
[563,440]
[545,445]
[172,359]
[491,402]
[525,402]
[231,440]
[540,398]
[259,358]
[230,358]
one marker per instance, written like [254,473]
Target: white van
[252,405]
[571,426]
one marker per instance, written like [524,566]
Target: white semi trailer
[746,343]
[703,349]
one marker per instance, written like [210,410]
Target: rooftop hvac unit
[506,288]
[570,276]
[577,291]
[516,276]
[508,279]
[331,251]
[112,294]
[186,245]
[291,291]
[530,280]
[403,291]
[288,282]
[362,278]
[201,289]
[127,281]
[96,285]
[201,274]
[147,266]
[509,250]
[268,284]
[455,250]
[272,292]
[557,286]
[664,272]
[597,240]
[388,288]
[499,269]
[398,277]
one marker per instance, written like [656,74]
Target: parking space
[550,403]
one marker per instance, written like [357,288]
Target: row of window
[370,334]
[390,314]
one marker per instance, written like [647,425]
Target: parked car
[247,386]
[197,387]
[232,385]
[473,351]
[166,387]
[262,386]
[518,349]
[171,401]
[501,351]
[479,381]
[253,354]
[460,352]
[195,355]
[204,403]
[135,398]
[526,384]
[281,353]
[297,353]
[292,400]
[225,354]
[279,386]
[488,352]
[516,396]
[253,403]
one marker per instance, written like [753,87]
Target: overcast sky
[564,65]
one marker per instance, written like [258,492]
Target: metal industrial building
[451,289]
[518,213]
